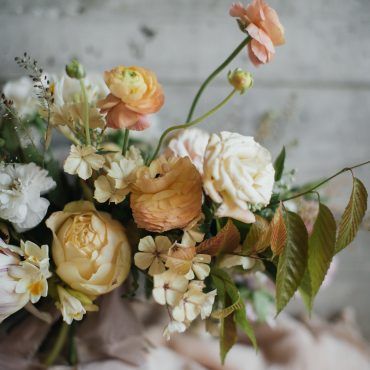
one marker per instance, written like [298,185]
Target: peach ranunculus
[167,194]
[263,25]
[90,249]
[134,93]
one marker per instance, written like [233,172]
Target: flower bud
[75,69]
[240,79]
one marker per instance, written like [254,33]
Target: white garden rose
[192,143]
[238,174]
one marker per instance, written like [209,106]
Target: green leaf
[279,164]
[305,290]
[321,249]
[293,260]
[258,238]
[228,294]
[352,216]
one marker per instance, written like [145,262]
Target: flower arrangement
[185,223]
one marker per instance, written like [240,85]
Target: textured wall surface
[314,97]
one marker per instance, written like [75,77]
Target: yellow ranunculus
[90,249]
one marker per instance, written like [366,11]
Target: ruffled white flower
[10,300]
[21,187]
[238,174]
[194,303]
[174,327]
[121,174]
[82,160]
[169,288]
[21,92]
[192,143]
[70,307]
[152,254]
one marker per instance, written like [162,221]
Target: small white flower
[38,256]
[82,160]
[194,303]
[169,288]
[21,187]
[174,327]
[192,234]
[70,306]
[153,253]
[192,143]
[232,260]
[105,190]
[238,174]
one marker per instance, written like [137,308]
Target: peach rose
[134,93]
[263,25]
[167,194]
[90,249]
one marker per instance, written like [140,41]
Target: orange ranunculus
[263,25]
[135,93]
[167,194]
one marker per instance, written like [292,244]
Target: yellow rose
[90,249]
[167,194]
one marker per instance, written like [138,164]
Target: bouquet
[185,221]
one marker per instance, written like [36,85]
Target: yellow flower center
[35,288]
[133,84]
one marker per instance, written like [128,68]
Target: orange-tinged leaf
[258,238]
[226,241]
[352,216]
[278,232]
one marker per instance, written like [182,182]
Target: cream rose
[238,174]
[90,249]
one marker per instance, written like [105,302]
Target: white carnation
[21,187]
[238,174]
[191,143]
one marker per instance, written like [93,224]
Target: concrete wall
[314,97]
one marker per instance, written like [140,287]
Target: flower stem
[58,345]
[214,74]
[125,141]
[85,112]
[191,123]
[322,182]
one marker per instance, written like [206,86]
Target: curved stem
[189,124]
[125,141]
[322,182]
[58,345]
[214,74]
[85,112]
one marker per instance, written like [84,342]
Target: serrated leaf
[278,232]
[258,238]
[321,248]
[279,164]
[226,240]
[352,216]
[228,294]
[292,261]
[305,290]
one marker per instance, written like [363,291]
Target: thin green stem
[214,74]
[125,141]
[189,124]
[85,112]
[58,345]
[322,182]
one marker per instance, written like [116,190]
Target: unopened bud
[241,80]
[75,69]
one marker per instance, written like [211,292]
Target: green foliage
[292,261]
[279,164]
[352,216]
[321,249]
[228,294]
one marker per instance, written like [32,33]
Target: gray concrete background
[314,97]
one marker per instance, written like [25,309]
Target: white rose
[191,143]
[238,174]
